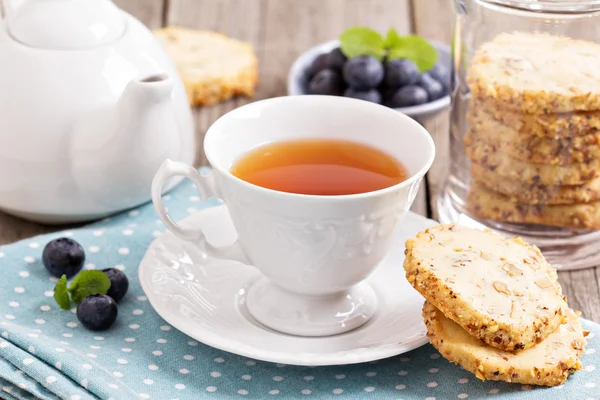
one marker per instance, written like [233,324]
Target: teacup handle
[206,189]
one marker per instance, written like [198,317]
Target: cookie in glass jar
[527,73]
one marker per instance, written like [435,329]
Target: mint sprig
[392,39]
[417,49]
[362,41]
[60,293]
[84,284]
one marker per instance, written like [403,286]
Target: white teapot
[90,106]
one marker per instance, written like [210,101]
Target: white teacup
[314,251]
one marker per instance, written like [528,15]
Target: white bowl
[297,81]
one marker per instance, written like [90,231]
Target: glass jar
[525,125]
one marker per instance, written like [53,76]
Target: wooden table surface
[280,30]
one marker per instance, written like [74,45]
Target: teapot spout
[119,149]
[144,122]
[145,91]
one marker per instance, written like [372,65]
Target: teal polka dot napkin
[45,353]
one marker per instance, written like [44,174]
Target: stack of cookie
[494,306]
[534,138]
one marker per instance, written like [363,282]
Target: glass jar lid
[550,6]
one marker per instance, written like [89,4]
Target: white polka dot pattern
[143,356]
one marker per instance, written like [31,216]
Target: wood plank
[150,12]
[435,25]
[582,289]
[380,15]
[240,20]
[13,229]
[434,19]
[438,126]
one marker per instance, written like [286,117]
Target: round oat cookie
[549,363]
[495,160]
[537,73]
[502,291]
[213,67]
[551,126]
[487,204]
[526,193]
[533,148]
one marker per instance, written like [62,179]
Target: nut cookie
[552,126]
[213,67]
[486,204]
[525,193]
[502,291]
[527,73]
[492,158]
[533,148]
[549,363]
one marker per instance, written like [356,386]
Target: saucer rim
[208,337]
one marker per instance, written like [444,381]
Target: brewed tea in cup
[322,167]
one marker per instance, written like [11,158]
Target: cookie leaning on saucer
[487,204]
[532,148]
[499,290]
[537,73]
[549,363]
[213,67]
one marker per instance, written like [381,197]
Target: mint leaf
[362,41]
[416,49]
[88,283]
[60,293]
[392,39]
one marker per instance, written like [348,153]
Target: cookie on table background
[213,67]
[549,363]
[526,193]
[533,148]
[537,73]
[504,165]
[487,204]
[552,126]
[502,291]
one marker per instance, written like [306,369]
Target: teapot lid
[65,24]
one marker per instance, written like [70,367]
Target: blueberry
[63,256]
[368,95]
[440,73]
[363,72]
[326,81]
[407,96]
[319,63]
[118,283]
[97,312]
[387,93]
[400,72]
[336,59]
[434,89]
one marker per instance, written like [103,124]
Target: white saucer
[205,299]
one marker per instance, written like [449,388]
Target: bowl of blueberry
[408,73]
